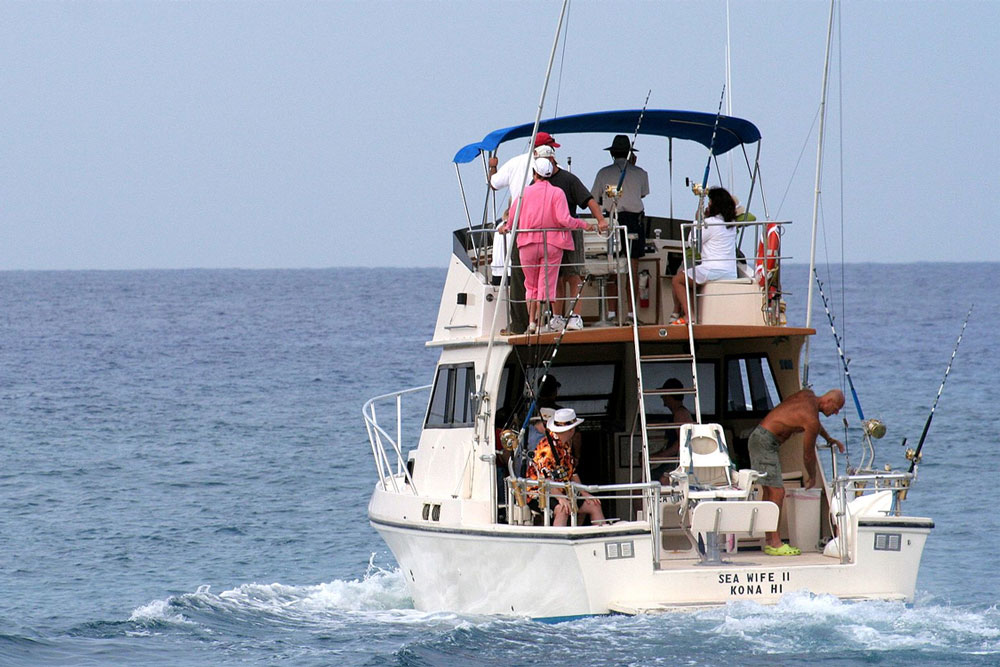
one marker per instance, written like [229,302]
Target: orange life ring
[767,257]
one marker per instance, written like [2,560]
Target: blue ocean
[184,475]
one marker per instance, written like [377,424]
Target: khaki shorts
[764,457]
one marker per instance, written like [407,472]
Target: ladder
[640,359]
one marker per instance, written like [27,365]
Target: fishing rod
[871,428]
[546,364]
[914,456]
[840,349]
[711,146]
[699,215]
[631,146]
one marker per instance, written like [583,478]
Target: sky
[293,134]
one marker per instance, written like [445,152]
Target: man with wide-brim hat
[628,201]
[553,460]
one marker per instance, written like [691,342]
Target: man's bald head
[831,402]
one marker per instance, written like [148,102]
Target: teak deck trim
[656,332]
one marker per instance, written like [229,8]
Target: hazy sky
[316,134]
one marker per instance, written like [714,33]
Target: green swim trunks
[764,457]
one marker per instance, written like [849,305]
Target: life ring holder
[767,256]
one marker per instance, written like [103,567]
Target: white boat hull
[547,572]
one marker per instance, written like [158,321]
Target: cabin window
[655,374]
[750,387]
[587,388]
[451,398]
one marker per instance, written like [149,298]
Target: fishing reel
[509,439]
[874,428]
[912,456]
[560,473]
[698,190]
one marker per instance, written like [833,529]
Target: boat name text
[754,583]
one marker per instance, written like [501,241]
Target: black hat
[549,387]
[621,144]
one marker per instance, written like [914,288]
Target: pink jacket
[545,207]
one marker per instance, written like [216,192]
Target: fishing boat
[452,497]
[682,518]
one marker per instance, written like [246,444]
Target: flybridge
[688,125]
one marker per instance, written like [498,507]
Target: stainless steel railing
[385,446]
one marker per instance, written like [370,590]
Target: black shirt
[577,194]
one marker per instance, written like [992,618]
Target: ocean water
[184,475]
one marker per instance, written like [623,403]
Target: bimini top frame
[688,125]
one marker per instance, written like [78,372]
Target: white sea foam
[873,626]
[379,595]
[157,611]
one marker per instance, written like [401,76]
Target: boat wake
[824,624]
[380,595]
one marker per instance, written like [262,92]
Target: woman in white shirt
[718,249]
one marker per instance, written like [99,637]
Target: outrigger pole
[513,230]
[915,456]
[819,178]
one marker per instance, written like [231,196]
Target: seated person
[718,250]
[548,392]
[554,461]
[678,415]
[537,431]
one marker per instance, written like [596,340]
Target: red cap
[545,139]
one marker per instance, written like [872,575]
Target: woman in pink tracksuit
[543,206]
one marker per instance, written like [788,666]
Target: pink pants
[541,271]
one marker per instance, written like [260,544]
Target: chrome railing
[520,490]
[385,446]
[848,487]
[690,258]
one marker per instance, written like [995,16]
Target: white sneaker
[575,322]
[557,323]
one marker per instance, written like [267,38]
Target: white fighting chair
[718,495]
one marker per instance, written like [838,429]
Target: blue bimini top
[688,125]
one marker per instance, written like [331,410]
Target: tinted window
[655,374]
[587,388]
[451,398]
[439,399]
[750,387]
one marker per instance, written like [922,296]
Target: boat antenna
[914,455]
[819,176]
[729,84]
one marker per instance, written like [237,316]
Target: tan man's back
[793,415]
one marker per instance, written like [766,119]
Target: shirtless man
[799,413]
